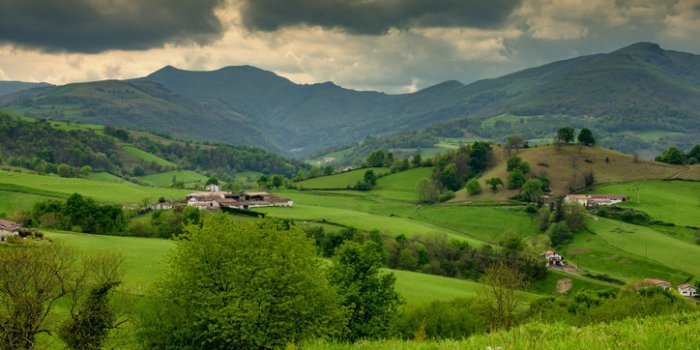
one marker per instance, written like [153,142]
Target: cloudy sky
[386,45]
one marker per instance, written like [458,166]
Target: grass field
[646,242]
[148,157]
[145,261]
[105,177]
[341,180]
[401,186]
[99,190]
[11,201]
[652,333]
[592,253]
[549,284]
[165,179]
[670,201]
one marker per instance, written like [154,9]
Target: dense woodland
[44,148]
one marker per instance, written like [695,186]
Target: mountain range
[638,98]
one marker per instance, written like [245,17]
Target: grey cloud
[92,26]
[375,17]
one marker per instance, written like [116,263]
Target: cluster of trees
[452,170]
[259,284]
[567,135]
[274,181]
[519,177]
[165,223]
[379,159]
[465,317]
[675,156]
[587,307]
[219,158]
[561,220]
[77,213]
[437,254]
[39,146]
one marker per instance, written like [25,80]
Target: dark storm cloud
[375,16]
[91,26]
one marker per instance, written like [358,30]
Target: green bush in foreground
[240,285]
[666,332]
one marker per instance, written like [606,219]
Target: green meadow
[98,190]
[677,202]
[401,186]
[642,241]
[165,179]
[148,157]
[341,180]
[145,260]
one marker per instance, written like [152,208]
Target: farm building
[247,200]
[553,258]
[161,206]
[593,200]
[213,188]
[687,290]
[652,282]
[8,229]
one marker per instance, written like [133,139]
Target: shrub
[446,196]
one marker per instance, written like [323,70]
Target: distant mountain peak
[641,47]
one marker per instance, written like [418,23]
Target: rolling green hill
[42,145]
[10,87]
[136,105]
[339,181]
[566,168]
[671,201]
[145,261]
[99,190]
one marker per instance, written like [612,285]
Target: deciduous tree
[367,293]
[253,284]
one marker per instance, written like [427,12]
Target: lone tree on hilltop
[585,137]
[565,135]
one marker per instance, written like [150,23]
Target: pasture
[148,157]
[165,179]
[340,180]
[670,201]
[402,185]
[98,190]
[145,260]
[645,242]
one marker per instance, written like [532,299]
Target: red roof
[686,286]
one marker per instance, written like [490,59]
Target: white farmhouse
[687,290]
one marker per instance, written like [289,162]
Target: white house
[593,200]
[578,198]
[687,290]
[213,188]
[553,258]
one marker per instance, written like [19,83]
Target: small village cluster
[214,199]
[555,260]
[594,200]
